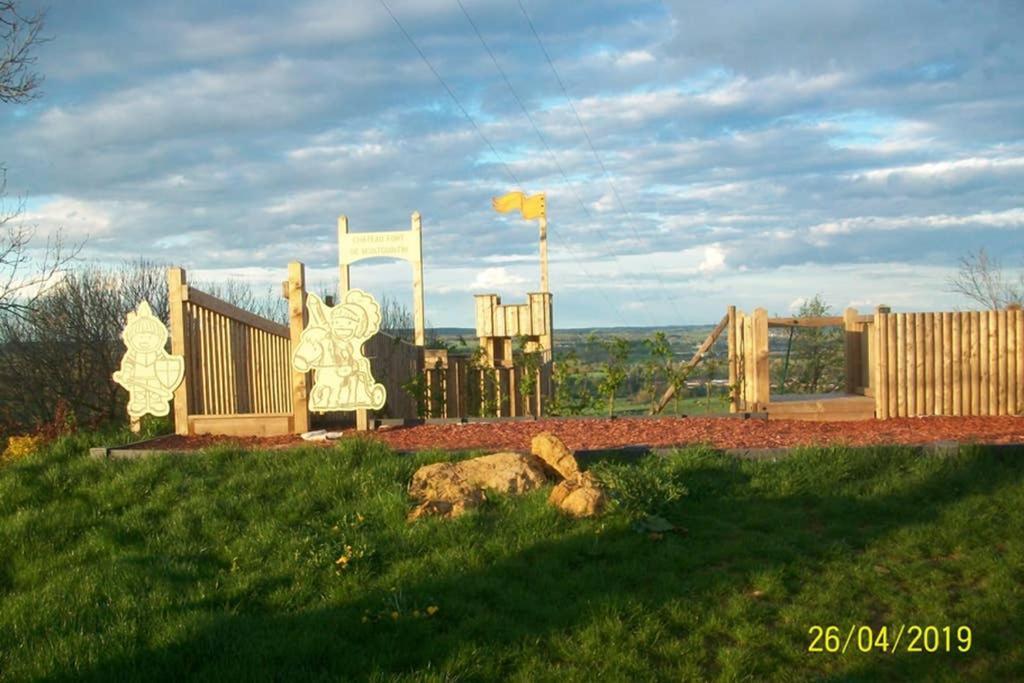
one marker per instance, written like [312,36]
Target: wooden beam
[732,359]
[179,345]
[692,363]
[854,340]
[214,304]
[297,323]
[266,424]
[829,321]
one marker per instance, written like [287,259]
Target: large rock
[554,453]
[450,488]
[579,496]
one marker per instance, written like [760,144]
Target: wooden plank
[761,358]
[947,363]
[975,383]
[418,306]
[697,357]
[997,325]
[912,366]
[853,341]
[732,359]
[892,351]
[1020,361]
[936,359]
[272,424]
[984,375]
[880,366]
[223,308]
[749,366]
[297,323]
[180,345]
[958,364]
[828,321]
[993,363]
[1002,402]
[1014,368]
[928,358]
[901,365]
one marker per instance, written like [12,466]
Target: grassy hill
[224,566]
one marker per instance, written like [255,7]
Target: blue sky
[754,152]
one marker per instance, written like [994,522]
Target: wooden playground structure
[240,378]
[897,365]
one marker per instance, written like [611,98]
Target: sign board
[356,246]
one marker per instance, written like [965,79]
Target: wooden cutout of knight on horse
[148,372]
[332,346]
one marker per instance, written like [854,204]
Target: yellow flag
[533,207]
[530,207]
[508,202]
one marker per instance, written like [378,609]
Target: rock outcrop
[580,496]
[451,488]
[555,455]
[448,489]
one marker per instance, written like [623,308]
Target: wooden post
[180,346]
[880,364]
[927,406]
[733,363]
[296,324]
[343,272]
[851,329]
[1001,363]
[947,363]
[417,283]
[761,358]
[958,365]
[1013,367]
[543,223]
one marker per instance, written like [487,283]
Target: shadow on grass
[528,605]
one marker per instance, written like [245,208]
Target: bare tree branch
[20,33]
[981,278]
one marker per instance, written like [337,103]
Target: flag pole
[543,253]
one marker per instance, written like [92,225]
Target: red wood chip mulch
[597,433]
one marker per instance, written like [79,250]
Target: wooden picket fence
[959,363]
[456,387]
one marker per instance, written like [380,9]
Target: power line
[590,143]
[540,136]
[451,93]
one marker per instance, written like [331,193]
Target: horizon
[693,157]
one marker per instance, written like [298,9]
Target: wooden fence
[909,364]
[237,366]
[239,379]
[962,363]
[457,387]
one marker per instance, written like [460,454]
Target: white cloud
[490,279]
[714,260]
[634,58]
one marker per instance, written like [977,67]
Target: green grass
[221,566]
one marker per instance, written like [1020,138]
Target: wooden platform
[821,407]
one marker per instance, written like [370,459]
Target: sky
[694,154]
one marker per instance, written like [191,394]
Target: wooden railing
[456,387]
[237,366]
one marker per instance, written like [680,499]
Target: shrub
[647,487]
[20,446]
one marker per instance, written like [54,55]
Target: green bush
[647,487]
